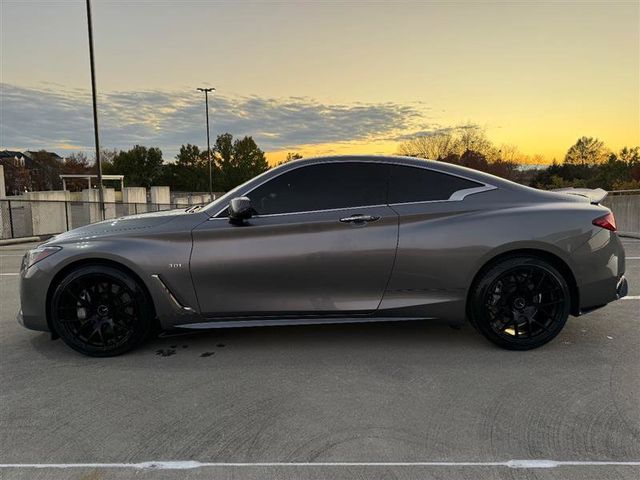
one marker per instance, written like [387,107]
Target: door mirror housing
[240,210]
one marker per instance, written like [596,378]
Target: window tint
[322,187]
[412,184]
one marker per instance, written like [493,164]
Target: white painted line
[11,255]
[189,465]
[631,297]
[633,258]
[9,274]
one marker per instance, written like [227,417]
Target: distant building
[15,157]
[43,155]
[31,170]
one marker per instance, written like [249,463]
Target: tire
[520,303]
[101,311]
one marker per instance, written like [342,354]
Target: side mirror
[240,210]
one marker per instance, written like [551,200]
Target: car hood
[122,225]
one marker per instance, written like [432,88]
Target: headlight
[34,256]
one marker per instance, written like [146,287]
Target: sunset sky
[321,77]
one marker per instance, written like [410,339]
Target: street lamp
[206,106]
[95,109]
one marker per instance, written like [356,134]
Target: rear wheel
[520,303]
[101,311]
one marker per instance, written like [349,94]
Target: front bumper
[34,283]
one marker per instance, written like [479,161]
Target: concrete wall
[47,217]
[92,212]
[3,192]
[109,203]
[161,196]
[196,199]
[135,195]
[626,210]
[181,201]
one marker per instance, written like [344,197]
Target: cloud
[54,117]
[435,129]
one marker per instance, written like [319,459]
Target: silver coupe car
[334,240]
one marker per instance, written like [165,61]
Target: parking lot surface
[387,399]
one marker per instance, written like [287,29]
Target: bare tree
[436,146]
[454,141]
[473,138]
[510,153]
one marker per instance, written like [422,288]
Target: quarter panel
[442,246]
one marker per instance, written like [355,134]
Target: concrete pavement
[404,392]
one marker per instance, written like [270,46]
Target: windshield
[221,202]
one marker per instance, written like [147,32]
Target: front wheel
[520,303]
[100,311]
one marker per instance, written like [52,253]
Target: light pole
[95,109]
[206,107]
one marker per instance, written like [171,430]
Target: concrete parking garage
[404,400]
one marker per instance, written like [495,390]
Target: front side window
[413,184]
[322,187]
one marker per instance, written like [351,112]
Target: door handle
[360,218]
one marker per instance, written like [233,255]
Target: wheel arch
[93,262]
[554,259]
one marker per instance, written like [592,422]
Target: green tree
[586,151]
[141,166]
[630,156]
[237,161]
[192,169]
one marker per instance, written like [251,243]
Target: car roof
[448,168]
[444,167]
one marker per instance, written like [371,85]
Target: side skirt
[270,322]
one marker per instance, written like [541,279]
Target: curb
[16,241]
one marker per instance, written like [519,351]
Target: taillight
[607,221]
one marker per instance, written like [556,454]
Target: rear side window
[322,187]
[412,184]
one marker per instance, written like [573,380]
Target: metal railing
[624,192]
[26,218]
[625,205]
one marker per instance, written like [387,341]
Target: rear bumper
[622,289]
[599,267]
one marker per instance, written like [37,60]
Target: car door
[434,248]
[322,242]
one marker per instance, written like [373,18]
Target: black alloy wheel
[101,311]
[520,303]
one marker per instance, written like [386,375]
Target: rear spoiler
[595,195]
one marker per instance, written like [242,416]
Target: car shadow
[429,334]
